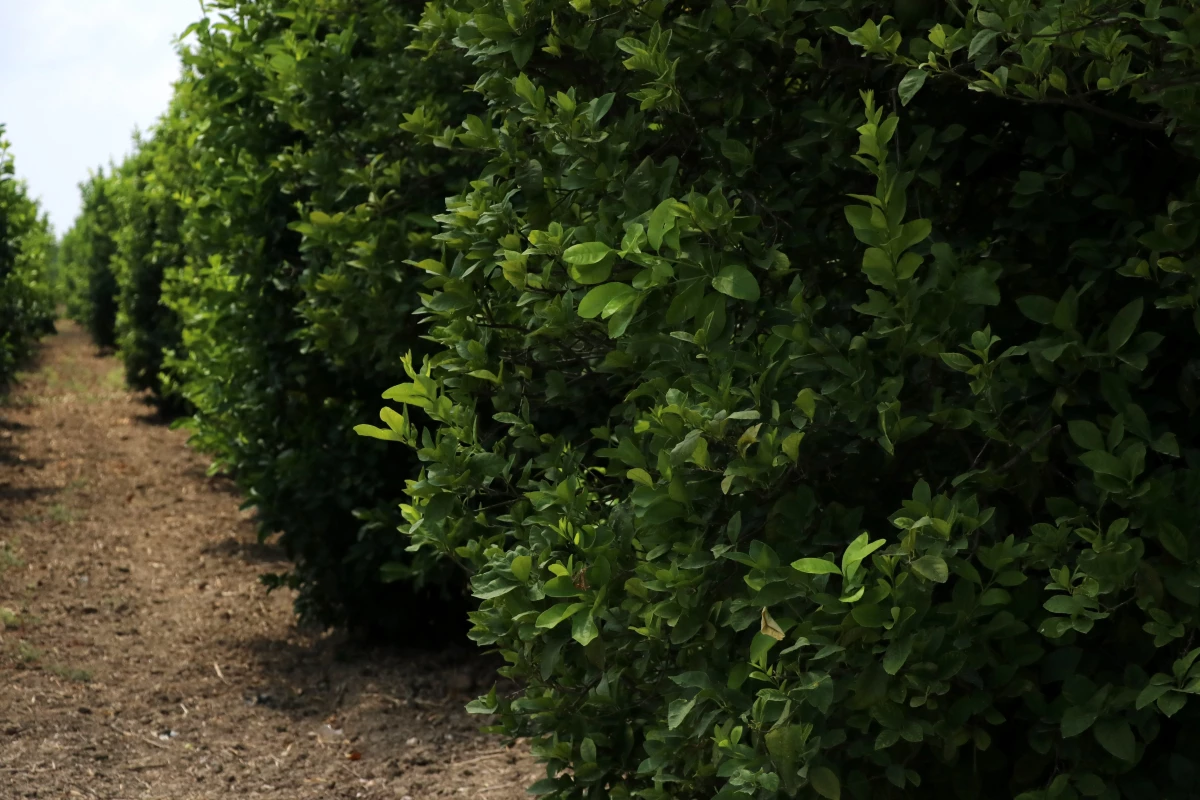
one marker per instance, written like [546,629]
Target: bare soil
[141,658]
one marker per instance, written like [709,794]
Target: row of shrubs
[247,262]
[807,386]
[26,258]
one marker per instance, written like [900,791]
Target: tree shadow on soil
[159,413]
[314,677]
[258,553]
[222,484]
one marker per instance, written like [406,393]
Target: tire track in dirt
[139,656]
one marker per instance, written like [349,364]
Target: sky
[77,77]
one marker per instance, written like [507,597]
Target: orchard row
[804,389]
[26,259]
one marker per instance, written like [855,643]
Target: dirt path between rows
[140,657]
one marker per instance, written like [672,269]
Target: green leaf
[639,475]
[931,568]
[910,84]
[583,629]
[897,653]
[791,445]
[785,744]
[1123,325]
[736,281]
[760,646]
[586,253]
[660,222]
[1173,540]
[597,299]
[1066,311]
[1030,183]
[980,42]
[977,287]
[859,549]
[377,433]
[1115,736]
[1086,434]
[957,361]
[588,274]
[806,401]
[1171,703]
[816,566]
[677,712]
[1150,694]
[1104,463]
[869,615]
[825,783]
[521,567]
[561,586]
[913,233]
[1076,720]
[736,152]
[557,613]
[1037,308]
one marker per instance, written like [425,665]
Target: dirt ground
[139,655]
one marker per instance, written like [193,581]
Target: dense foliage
[26,254]
[147,244]
[260,234]
[815,400]
[88,282]
[807,384]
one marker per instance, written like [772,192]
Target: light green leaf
[638,475]
[557,613]
[583,629]
[859,549]
[377,433]
[660,222]
[586,253]
[791,445]
[913,233]
[816,566]
[806,401]
[931,568]
[588,274]
[910,84]
[595,301]
[521,567]
[736,281]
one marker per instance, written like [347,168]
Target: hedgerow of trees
[26,255]
[257,268]
[806,388]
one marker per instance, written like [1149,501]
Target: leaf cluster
[814,394]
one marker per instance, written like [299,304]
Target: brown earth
[141,658]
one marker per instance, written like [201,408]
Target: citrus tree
[814,400]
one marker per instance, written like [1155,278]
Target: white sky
[76,78]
